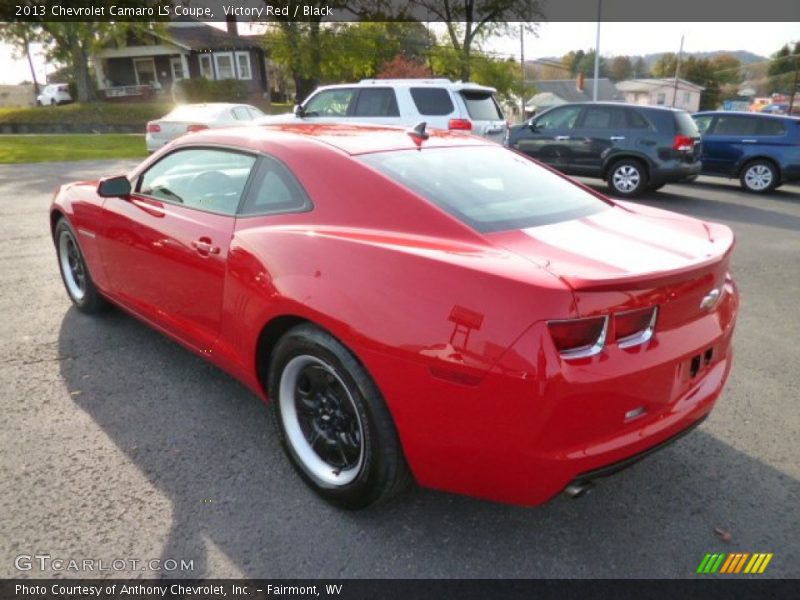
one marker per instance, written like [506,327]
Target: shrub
[206,90]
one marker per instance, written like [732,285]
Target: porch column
[185,65]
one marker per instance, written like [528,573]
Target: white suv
[441,103]
[55,93]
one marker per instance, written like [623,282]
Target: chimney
[579,82]
[230,21]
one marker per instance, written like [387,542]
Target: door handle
[561,138]
[617,138]
[749,141]
[205,247]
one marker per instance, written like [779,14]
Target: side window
[661,99]
[703,122]
[603,117]
[200,178]
[771,127]
[559,118]
[432,101]
[274,190]
[637,120]
[736,125]
[330,103]
[376,102]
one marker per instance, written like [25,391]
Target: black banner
[401,10]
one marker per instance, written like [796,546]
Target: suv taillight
[153,128]
[683,143]
[460,125]
[579,338]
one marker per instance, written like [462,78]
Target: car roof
[623,104]
[747,114]
[350,138]
[456,86]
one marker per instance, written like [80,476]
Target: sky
[556,39]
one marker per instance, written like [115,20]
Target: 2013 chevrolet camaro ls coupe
[416,305]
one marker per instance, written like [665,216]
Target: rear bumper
[675,172]
[153,143]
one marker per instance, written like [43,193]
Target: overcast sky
[556,39]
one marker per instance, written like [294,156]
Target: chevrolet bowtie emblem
[709,300]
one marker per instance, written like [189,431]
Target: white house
[662,92]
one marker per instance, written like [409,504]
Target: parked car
[633,148]
[415,303]
[762,151]
[189,118]
[53,94]
[441,103]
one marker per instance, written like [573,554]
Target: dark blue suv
[762,151]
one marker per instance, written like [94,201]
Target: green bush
[206,90]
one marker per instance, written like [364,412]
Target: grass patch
[54,148]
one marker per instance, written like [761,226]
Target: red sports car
[417,305]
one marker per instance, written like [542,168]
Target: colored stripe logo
[734,563]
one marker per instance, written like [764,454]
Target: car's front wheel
[759,177]
[627,178]
[334,425]
[74,272]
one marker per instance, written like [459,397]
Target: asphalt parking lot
[117,443]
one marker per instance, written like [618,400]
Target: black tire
[656,187]
[74,272]
[333,423]
[759,177]
[627,177]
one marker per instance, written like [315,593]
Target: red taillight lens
[683,143]
[579,338]
[460,124]
[196,127]
[153,128]
[634,326]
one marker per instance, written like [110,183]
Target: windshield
[488,188]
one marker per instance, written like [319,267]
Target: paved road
[117,443]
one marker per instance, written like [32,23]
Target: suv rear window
[481,106]
[432,101]
[488,188]
[686,125]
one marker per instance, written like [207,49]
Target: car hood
[624,245]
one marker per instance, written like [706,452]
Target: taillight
[635,327]
[460,125]
[196,127]
[153,128]
[579,338]
[683,143]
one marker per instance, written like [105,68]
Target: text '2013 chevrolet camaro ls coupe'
[415,305]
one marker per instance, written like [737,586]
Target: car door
[332,105]
[548,137]
[376,105]
[600,131]
[165,247]
[728,142]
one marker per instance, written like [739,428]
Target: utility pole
[597,52]
[677,72]
[522,67]
[794,86]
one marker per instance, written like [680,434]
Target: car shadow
[208,445]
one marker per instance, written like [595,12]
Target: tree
[728,69]
[620,69]
[471,21]
[19,36]
[783,69]
[586,65]
[640,68]
[403,67]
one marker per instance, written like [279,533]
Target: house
[152,61]
[662,92]
[559,91]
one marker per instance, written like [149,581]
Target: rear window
[432,101]
[488,188]
[62,88]
[772,127]
[686,125]
[482,106]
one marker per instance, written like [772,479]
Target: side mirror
[299,111]
[114,187]
[532,125]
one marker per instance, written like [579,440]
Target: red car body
[451,324]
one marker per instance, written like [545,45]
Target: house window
[243,65]
[177,68]
[661,99]
[223,61]
[206,68]
[686,97]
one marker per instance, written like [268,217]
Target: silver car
[196,117]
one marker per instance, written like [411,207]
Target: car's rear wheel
[334,425]
[759,177]
[74,272]
[627,178]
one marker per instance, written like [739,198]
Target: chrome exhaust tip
[578,489]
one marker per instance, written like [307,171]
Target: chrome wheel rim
[626,178]
[758,177]
[321,422]
[72,267]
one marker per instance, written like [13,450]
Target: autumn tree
[621,68]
